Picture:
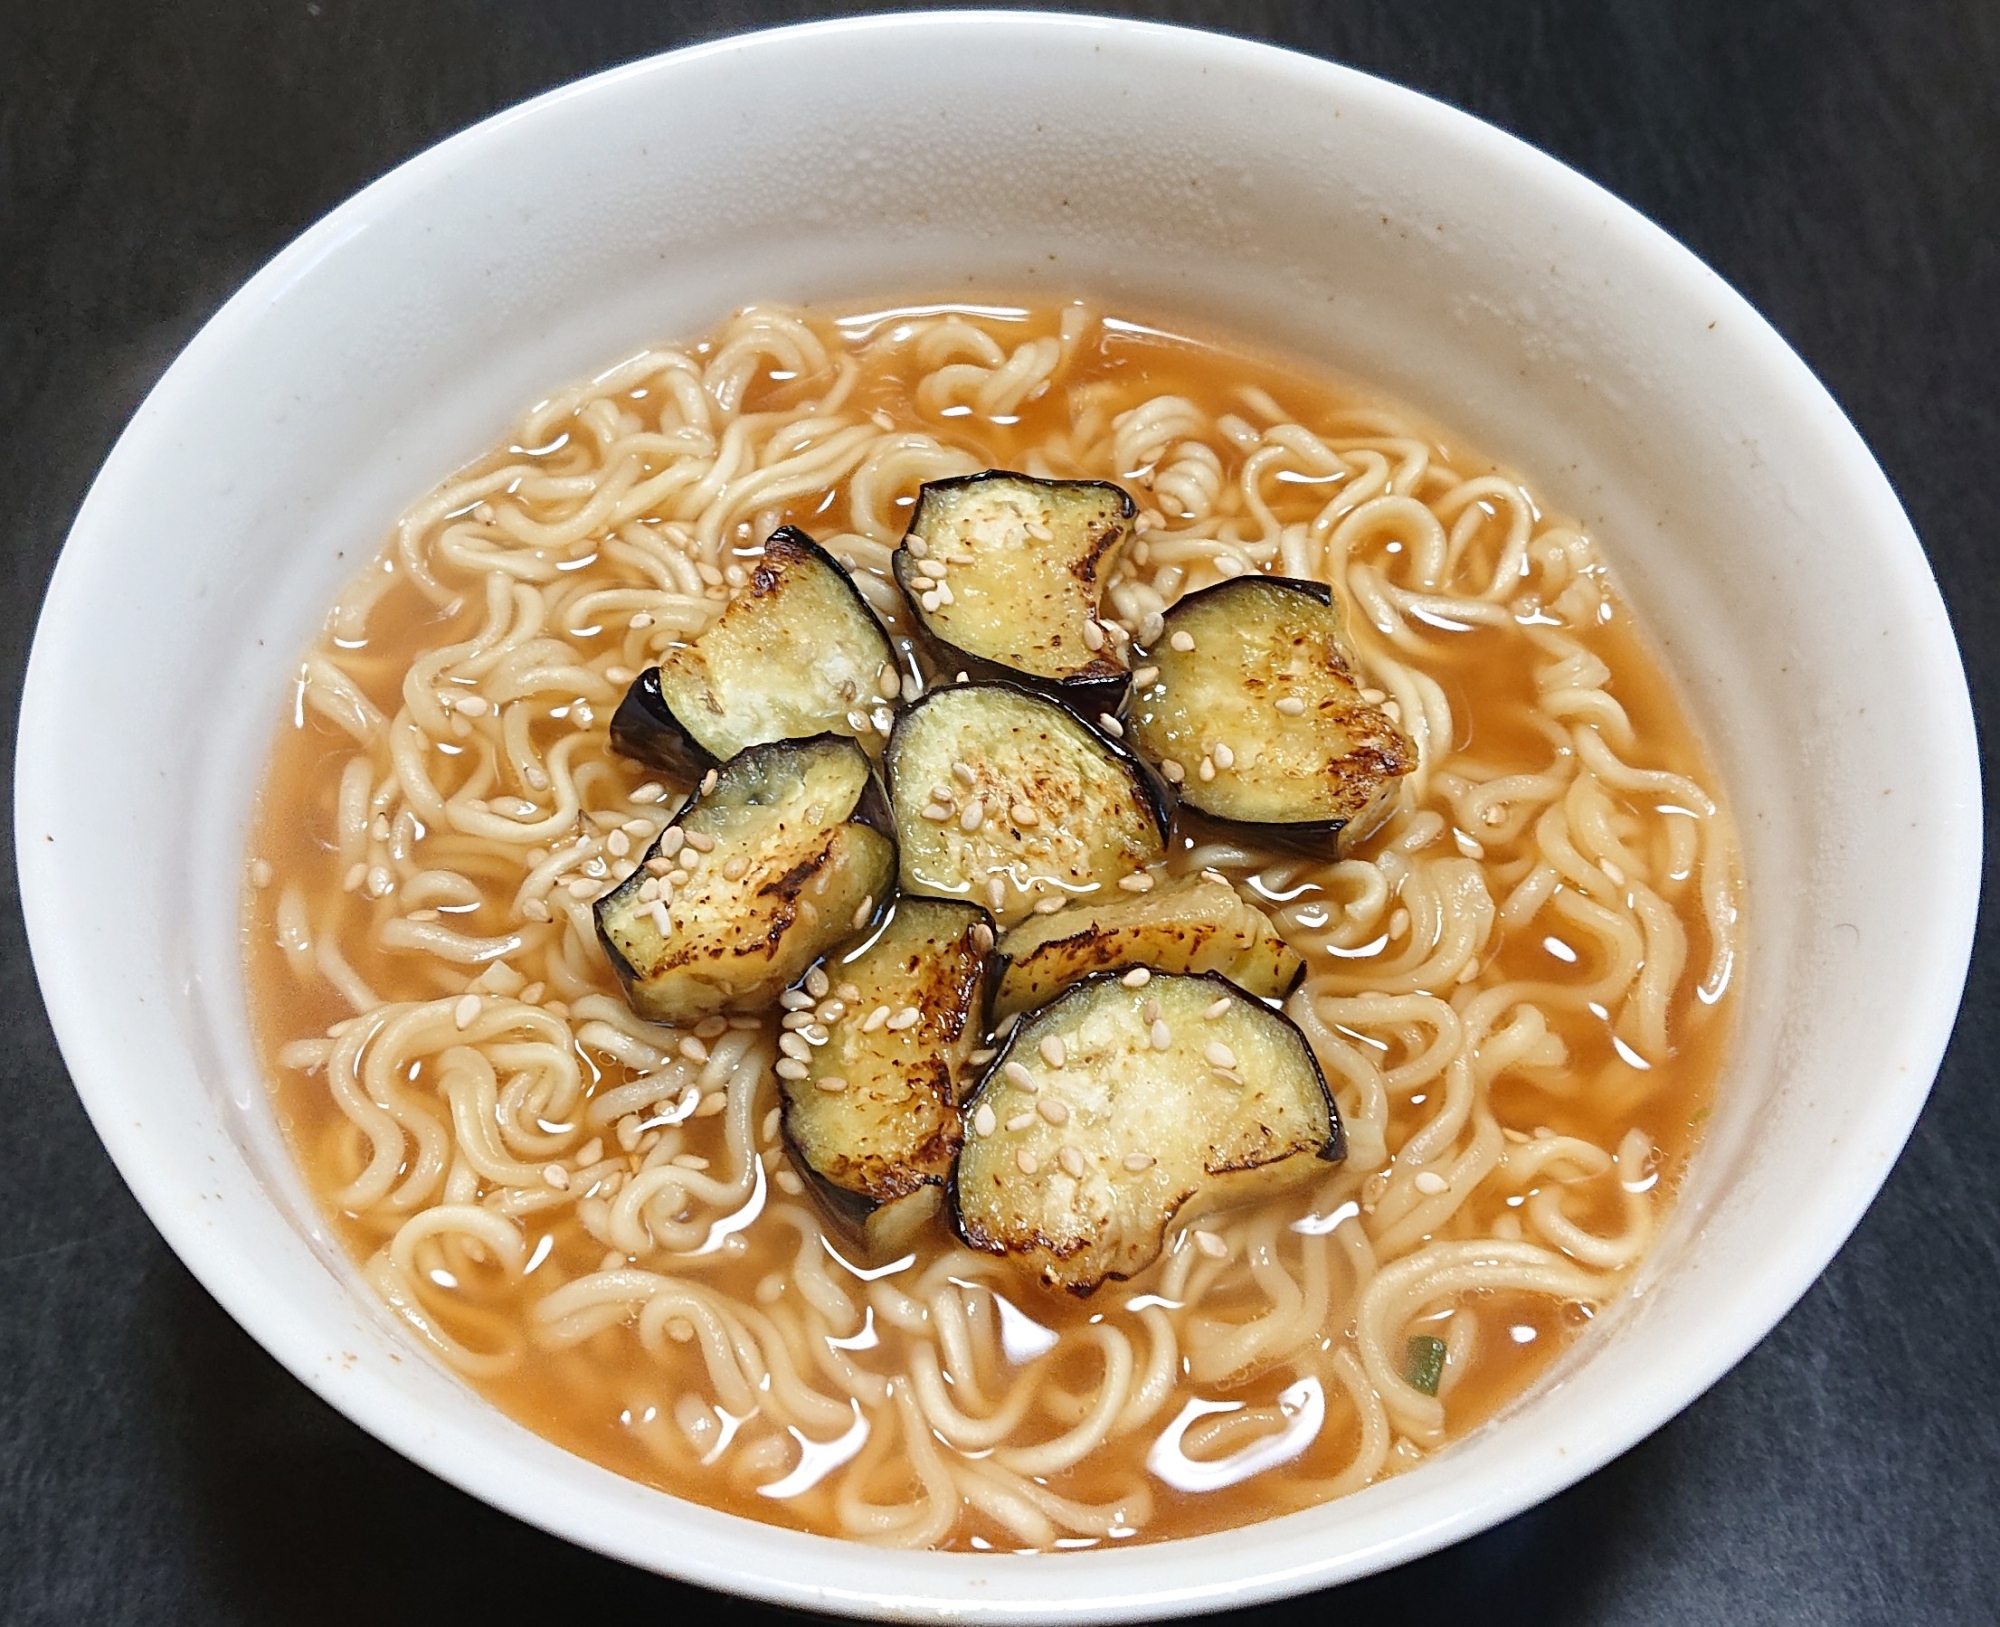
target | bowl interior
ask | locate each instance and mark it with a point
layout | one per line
(1306, 208)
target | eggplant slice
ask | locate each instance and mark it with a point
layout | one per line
(1003, 797)
(806, 819)
(797, 653)
(873, 1112)
(1197, 924)
(1004, 572)
(1116, 1111)
(1257, 715)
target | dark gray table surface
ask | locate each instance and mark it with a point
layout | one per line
(1838, 162)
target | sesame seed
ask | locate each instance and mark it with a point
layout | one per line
(1150, 1012)
(933, 568)
(944, 594)
(1176, 775)
(1161, 1035)
(996, 892)
(913, 686)
(1207, 770)
(1145, 676)
(356, 874)
(1137, 882)
(964, 774)
(671, 841)
(796, 1000)
(917, 548)
(980, 1057)
(832, 1011)
(1211, 1245)
(1072, 1162)
(1050, 905)
(473, 705)
(1054, 1052)
(876, 1019)
(701, 841)
(1218, 1054)
(1052, 1110)
(1024, 815)
(1430, 1183)
(1137, 1162)
(1374, 697)
(1111, 725)
(962, 678)
(1137, 978)
(788, 1183)
(1093, 636)
(930, 601)
(981, 936)
(1020, 1122)
(984, 1120)
(536, 910)
(938, 813)
(790, 1067)
(710, 780)
(1182, 641)
(818, 984)
(973, 816)
(908, 1017)
(1151, 628)
(712, 1027)
(662, 922)
(831, 1083)
(693, 1049)
(796, 1019)
(888, 682)
(793, 1044)
(1040, 532)
(1024, 1161)
(961, 559)
(1224, 757)
(1016, 1074)
(465, 1011)
(1291, 705)
(556, 1176)
(678, 877)
(815, 1033)
(849, 992)
(640, 622)
(858, 721)
(1220, 1008)
(735, 868)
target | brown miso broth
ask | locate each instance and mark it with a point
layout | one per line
(1563, 799)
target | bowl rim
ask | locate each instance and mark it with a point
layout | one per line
(832, 1575)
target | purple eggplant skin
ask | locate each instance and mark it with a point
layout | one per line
(1099, 688)
(645, 728)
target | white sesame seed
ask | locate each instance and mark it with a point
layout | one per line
(980, 1057)
(818, 984)
(356, 874)
(701, 841)
(796, 1019)
(981, 936)
(790, 1067)
(473, 705)
(662, 922)
(1207, 770)
(1050, 905)
(916, 546)
(1016, 1074)
(1137, 1162)
(693, 1049)
(640, 622)
(863, 911)
(1224, 757)
(465, 1011)
(1052, 1110)
(794, 1045)
(1430, 1183)
(1072, 1162)
(1111, 725)
(1176, 775)
(1182, 641)
(671, 841)
(815, 1033)
(933, 568)
(1211, 1245)
(556, 1176)
(1054, 1052)
(858, 721)
(996, 892)
(938, 813)
(1040, 531)
(831, 1083)
(1020, 1122)
(849, 992)
(1374, 697)
(930, 601)
(908, 1017)
(788, 1183)
(1024, 814)
(913, 686)
(875, 1020)
(1024, 1161)
(1291, 705)
(964, 774)
(712, 1027)
(973, 816)
(1161, 1035)
(1145, 676)
(536, 910)
(1137, 978)
(984, 1120)
(710, 780)
(888, 682)
(795, 1000)
(1137, 882)
(1151, 628)
(1219, 1009)
(1093, 636)
(735, 868)
(1218, 1054)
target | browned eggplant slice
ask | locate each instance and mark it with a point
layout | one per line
(1115, 1112)
(1197, 924)
(797, 653)
(783, 856)
(1004, 798)
(1256, 713)
(1004, 573)
(871, 1097)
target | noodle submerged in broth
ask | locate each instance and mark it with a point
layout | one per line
(1514, 987)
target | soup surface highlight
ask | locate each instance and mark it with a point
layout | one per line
(1515, 985)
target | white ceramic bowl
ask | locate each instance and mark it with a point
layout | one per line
(1310, 207)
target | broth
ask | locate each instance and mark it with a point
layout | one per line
(1560, 796)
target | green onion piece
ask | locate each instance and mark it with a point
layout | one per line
(1426, 1362)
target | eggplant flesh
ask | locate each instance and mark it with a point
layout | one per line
(874, 1111)
(1089, 1138)
(1004, 798)
(796, 653)
(1260, 718)
(779, 859)
(1197, 924)
(1022, 564)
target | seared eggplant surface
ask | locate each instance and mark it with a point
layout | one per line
(872, 1083)
(779, 858)
(1116, 1111)
(1004, 798)
(1004, 572)
(1197, 924)
(797, 653)
(1256, 714)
